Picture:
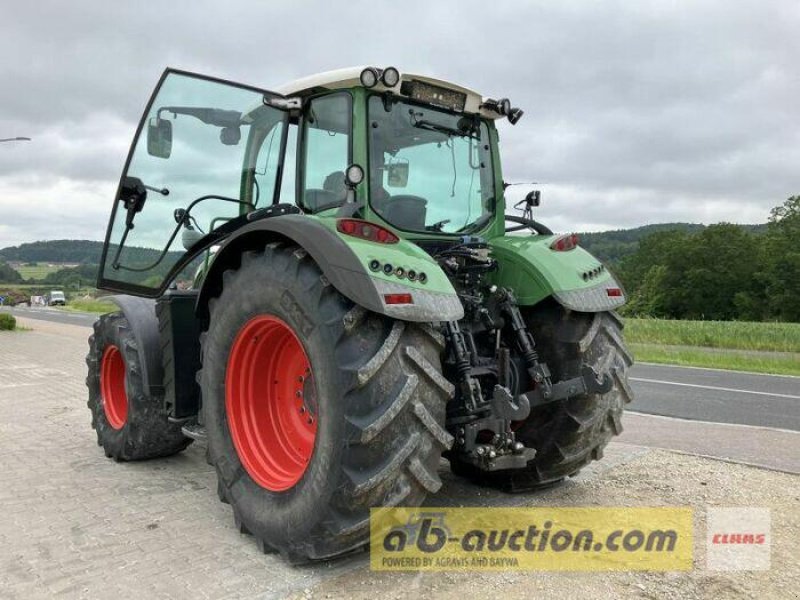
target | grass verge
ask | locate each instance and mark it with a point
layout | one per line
(738, 335)
(92, 306)
(777, 364)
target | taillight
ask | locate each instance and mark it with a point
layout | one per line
(398, 299)
(565, 242)
(614, 292)
(366, 231)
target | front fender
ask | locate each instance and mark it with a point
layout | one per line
(344, 261)
(142, 319)
(533, 271)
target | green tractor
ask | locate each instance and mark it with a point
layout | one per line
(321, 283)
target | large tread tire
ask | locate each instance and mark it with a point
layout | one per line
(146, 432)
(568, 435)
(381, 408)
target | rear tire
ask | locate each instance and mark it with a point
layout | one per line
(568, 434)
(130, 423)
(379, 404)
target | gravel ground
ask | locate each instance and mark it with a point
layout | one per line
(77, 525)
(654, 479)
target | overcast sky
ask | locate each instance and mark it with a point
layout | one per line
(636, 112)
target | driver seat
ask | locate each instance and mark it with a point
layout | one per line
(406, 212)
(333, 190)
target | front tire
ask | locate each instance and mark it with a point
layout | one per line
(371, 385)
(130, 423)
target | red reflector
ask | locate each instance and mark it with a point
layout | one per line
(398, 299)
(366, 231)
(614, 292)
(565, 242)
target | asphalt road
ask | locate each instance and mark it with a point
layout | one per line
(717, 396)
(55, 315)
(687, 393)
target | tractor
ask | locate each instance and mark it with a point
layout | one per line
(321, 284)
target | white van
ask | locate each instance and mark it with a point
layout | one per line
(56, 297)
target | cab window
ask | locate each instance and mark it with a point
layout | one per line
(326, 135)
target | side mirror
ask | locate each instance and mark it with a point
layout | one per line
(159, 137)
(533, 198)
(230, 136)
(397, 174)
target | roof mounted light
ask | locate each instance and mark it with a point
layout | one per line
(515, 115)
(504, 106)
(501, 107)
(369, 77)
(390, 77)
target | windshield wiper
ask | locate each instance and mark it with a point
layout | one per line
(437, 226)
(431, 126)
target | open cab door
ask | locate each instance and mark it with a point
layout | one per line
(206, 153)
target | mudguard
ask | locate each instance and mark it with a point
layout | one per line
(141, 316)
(575, 278)
(345, 262)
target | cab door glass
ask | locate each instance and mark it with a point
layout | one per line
(326, 135)
(193, 167)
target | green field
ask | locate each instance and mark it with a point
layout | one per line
(39, 271)
(745, 346)
(91, 305)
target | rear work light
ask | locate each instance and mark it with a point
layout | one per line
(398, 299)
(366, 231)
(565, 242)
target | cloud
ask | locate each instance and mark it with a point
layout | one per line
(635, 112)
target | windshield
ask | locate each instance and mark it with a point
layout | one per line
(430, 170)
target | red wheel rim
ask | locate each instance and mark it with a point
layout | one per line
(270, 401)
(112, 387)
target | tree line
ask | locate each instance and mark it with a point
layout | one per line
(675, 270)
(722, 272)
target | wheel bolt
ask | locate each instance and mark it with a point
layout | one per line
(299, 393)
(302, 409)
(310, 420)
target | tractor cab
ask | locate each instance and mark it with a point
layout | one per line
(414, 155)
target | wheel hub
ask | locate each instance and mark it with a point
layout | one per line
(271, 403)
(112, 387)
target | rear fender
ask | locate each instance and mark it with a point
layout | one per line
(575, 278)
(345, 262)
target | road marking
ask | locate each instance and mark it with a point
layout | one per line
(704, 422)
(713, 387)
(652, 364)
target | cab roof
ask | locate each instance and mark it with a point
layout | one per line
(349, 77)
